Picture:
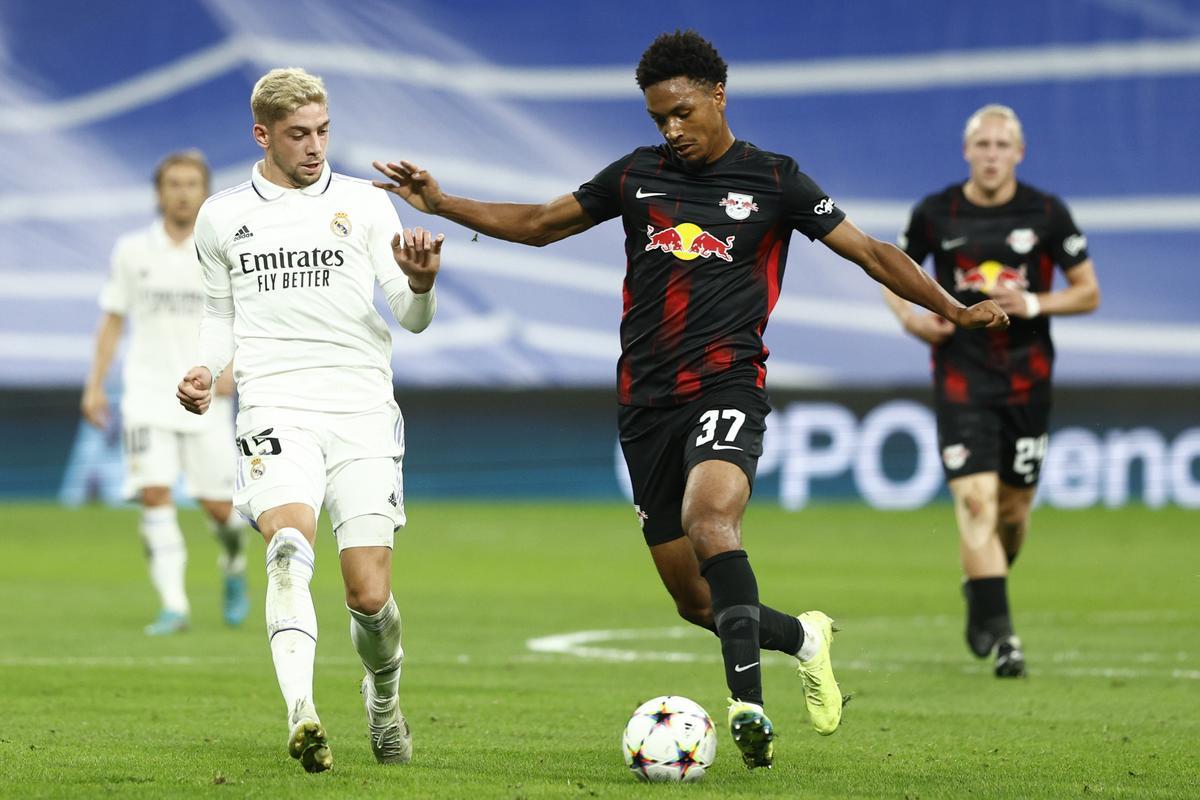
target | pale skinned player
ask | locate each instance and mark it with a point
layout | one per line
(290, 261)
(992, 236)
(155, 283)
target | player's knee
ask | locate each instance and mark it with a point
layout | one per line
(713, 532)
(368, 600)
(220, 511)
(156, 496)
(977, 525)
(977, 506)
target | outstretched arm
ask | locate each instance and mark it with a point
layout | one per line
(525, 223)
(889, 265)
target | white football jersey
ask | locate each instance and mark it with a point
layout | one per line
(157, 286)
(301, 266)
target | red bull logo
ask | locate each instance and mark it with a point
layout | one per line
(687, 240)
(988, 275)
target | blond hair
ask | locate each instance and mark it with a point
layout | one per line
(282, 91)
(993, 110)
(193, 157)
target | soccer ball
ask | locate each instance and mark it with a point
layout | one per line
(669, 738)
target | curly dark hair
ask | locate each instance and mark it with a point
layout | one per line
(682, 53)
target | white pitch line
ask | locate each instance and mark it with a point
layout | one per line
(585, 645)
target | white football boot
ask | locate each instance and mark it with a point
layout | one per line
(391, 740)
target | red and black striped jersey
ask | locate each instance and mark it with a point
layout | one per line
(705, 250)
(975, 249)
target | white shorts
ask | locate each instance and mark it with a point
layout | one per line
(350, 463)
(155, 456)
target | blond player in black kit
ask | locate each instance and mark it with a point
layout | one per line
(708, 219)
(993, 236)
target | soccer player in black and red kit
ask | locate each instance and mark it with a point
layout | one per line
(995, 237)
(707, 219)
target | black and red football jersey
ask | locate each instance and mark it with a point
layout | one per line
(705, 250)
(975, 249)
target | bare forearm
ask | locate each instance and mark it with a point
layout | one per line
(107, 336)
(524, 223)
(906, 281)
(1080, 299)
(899, 306)
(512, 222)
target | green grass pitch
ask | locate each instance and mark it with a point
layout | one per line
(1107, 602)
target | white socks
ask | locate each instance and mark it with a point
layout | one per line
(291, 618)
(231, 535)
(167, 555)
(812, 641)
(376, 637)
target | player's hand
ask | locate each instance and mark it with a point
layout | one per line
(987, 314)
(929, 328)
(94, 406)
(418, 253)
(1011, 299)
(195, 390)
(408, 181)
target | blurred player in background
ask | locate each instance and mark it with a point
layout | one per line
(707, 219)
(156, 283)
(290, 261)
(995, 237)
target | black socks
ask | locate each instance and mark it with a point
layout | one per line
(737, 616)
(779, 631)
(987, 599)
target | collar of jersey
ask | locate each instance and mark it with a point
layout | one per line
(271, 191)
(160, 237)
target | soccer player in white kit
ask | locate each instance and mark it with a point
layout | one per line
(155, 282)
(290, 260)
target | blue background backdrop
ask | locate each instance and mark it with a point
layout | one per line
(526, 101)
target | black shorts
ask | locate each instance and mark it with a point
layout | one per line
(1010, 440)
(661, 445)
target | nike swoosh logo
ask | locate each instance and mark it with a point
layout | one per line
(717, 446)
(740, 668)
(640, 194)
(950, 244)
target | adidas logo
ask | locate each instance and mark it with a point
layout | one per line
(243, 233)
